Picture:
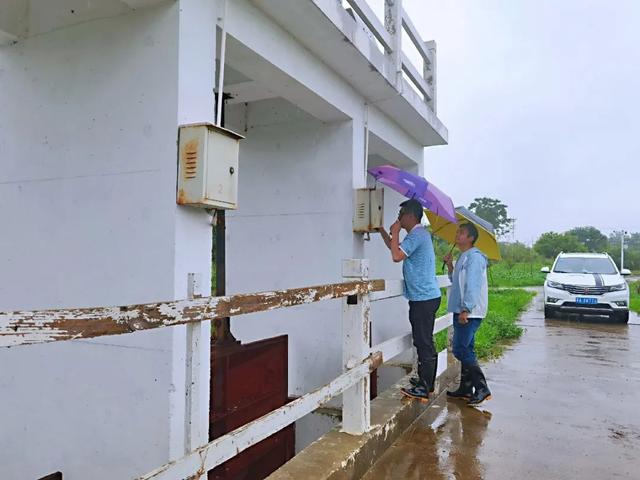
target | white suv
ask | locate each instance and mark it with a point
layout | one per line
(587, 283)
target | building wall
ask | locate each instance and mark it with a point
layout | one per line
(88, 118)
(292, 229)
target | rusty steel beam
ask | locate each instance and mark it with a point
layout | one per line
(32, 327)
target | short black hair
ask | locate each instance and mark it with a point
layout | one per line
(412, 207)
(471, 230)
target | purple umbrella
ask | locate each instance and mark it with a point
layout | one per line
(414, 186)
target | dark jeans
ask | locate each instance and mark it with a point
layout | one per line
(422, 316)
(464, 337)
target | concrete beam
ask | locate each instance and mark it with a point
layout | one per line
(253, 65)
(248, 92)
(13, 20)
(137, 4)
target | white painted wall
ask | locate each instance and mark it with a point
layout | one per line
(88, 121)
(292, 229)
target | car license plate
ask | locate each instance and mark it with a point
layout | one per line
(586, 301)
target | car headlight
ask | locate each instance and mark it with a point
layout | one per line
(555, 285)
(617, 288)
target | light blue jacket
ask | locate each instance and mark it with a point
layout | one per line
(469, 287)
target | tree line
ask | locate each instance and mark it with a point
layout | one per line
(550, 244)
(590, 239)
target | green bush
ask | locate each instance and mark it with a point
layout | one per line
(502, 274)
(634, 288)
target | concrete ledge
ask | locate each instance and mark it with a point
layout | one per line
(340, 456)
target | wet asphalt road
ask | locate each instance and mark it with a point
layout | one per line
(566, 405)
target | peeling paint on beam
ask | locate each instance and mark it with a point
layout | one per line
(32, 327)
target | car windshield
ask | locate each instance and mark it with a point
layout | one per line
(584, 265)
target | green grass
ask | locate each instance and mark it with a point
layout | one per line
(634, 290)
(502, 274)
(500, 324)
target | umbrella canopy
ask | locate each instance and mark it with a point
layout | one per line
(414, 186)
(486, 242)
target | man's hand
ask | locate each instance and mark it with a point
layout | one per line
(463, 318)
(395, 228)
(448, 260)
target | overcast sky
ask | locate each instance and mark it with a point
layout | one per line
(541, 99)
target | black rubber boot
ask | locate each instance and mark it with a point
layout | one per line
(429, 370)
(465, 389)
(434, 374)
(482, 392)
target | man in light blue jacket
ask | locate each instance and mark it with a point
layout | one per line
(468, 301)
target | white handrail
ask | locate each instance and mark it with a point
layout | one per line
(415, 37)
(417, 78)
(394, 288)
(355, 376)
(395, 346)
(370, 19)
(228, 446)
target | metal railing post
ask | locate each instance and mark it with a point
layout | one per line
(356, 334)
(197, 374)
(430, 73)
(393, 24)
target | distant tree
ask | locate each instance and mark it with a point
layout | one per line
(551, 244)
(493, 211)
(592, 238)
(516, 252)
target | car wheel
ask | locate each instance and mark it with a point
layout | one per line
(622, 317)
(549, 312)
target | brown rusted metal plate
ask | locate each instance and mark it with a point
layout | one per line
(31, 327)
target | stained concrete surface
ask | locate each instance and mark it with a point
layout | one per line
(565, 405)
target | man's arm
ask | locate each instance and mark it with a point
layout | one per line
(396, 252)
(392, 241)
(385, 236)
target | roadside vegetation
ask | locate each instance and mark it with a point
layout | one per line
(520, 267)
(634, 290)
(501, 324)
(517, 274)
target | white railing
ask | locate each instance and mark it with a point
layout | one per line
(389, 35)
(359, 359)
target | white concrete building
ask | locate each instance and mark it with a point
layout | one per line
(91, 97)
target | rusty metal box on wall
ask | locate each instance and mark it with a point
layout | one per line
(208, 166)
(368, 213)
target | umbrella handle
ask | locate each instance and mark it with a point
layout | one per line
(444, 264)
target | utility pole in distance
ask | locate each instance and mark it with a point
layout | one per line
(622, 249)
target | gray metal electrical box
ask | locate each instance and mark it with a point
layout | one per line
(369, 210)
(208, 166)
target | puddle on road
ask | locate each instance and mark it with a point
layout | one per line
(564, 406)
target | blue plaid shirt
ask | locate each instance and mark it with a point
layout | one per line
(419, 268)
